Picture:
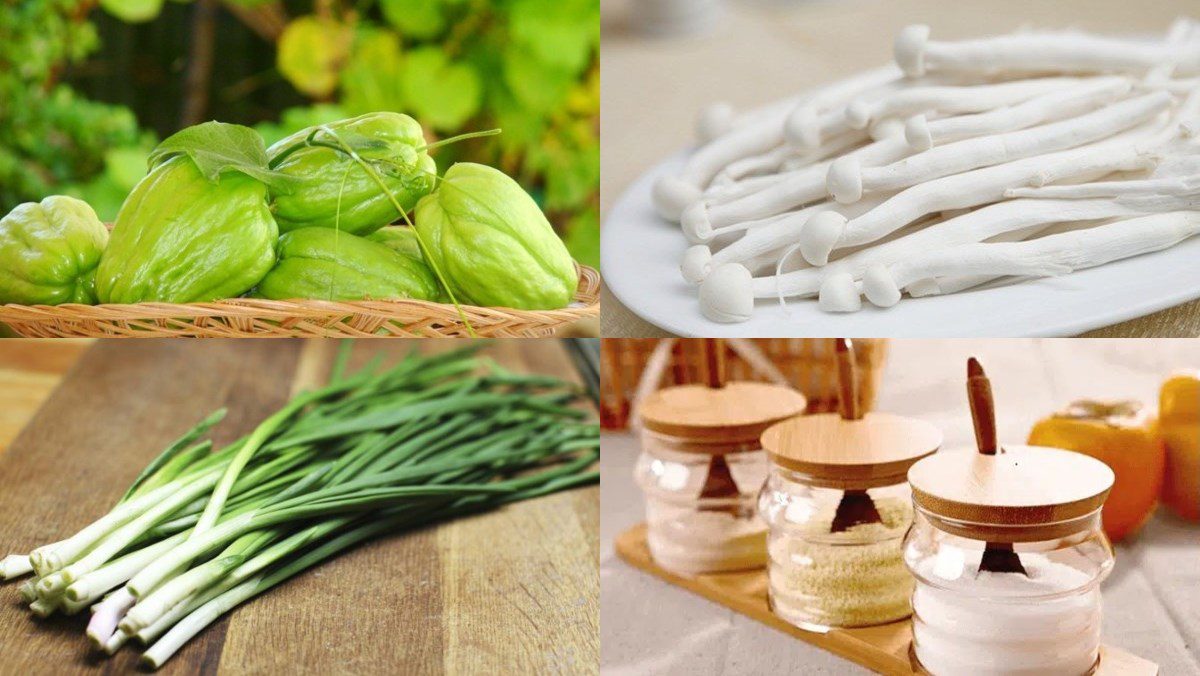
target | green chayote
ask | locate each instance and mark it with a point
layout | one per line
(399, 238)
(181, 238)
(337, 192)
(49, 251)
(331, 265)
(493, 244)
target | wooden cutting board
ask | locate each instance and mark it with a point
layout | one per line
(512, 591)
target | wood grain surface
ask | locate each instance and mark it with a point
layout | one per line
(512, 591)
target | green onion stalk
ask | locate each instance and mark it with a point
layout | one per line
(204, 529)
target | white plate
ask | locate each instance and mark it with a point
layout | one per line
(640, 255)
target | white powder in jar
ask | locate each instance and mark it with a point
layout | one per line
(852, 578)
(994, 624)
(691, 542)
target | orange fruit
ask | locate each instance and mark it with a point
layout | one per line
(1122, 436)
(1179, 427)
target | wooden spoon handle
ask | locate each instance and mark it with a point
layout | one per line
(848, 403)
(983, 409)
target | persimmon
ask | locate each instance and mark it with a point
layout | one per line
(1179, 426)
(1121, 434)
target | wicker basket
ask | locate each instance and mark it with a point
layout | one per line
(807, 363)
(257, 318)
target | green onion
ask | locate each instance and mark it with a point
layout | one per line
(202, 530)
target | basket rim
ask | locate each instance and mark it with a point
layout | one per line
(586, 304)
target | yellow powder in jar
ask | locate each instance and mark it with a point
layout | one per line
(852, 578)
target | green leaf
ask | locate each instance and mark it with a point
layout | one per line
(415, 18)
(443, 94)
(522, 127)
(373, 78)
(217, 147)
(583, 237)
(310, 51)
(556, 32)
(538, 85)
(133, 11)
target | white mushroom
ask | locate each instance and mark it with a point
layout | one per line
(848, 180)
(1013, 220)
(1175, 185)
(800, 187)
(916, 54)
(861, 113)
(1090, 94)
(672, 194)
(974, 188)
(762, 237)
(1045, 256)
(721, 299)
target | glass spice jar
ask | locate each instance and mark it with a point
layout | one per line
(838, 506)
(1008, 557)
(700, 469)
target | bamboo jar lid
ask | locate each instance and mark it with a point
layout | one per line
(874, 450)
(733, 414)
(1020, 494)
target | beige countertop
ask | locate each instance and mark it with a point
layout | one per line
(763, 50)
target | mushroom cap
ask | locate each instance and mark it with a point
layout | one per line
(858, 114)
(888, 127)
(696, 263)
(844, 180)
(820, 234)
(879, 286)
(801, 128)
(839, 293)
(695, 224)
(916, 133)
(671, 195)
(909, 49)
(727, 294)
(714, 120)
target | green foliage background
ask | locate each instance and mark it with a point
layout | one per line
(528, 67)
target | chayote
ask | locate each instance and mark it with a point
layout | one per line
(399, 238)
(331, 265)
(49, 251)
(493, 244)
(336, 191)
(181, 238)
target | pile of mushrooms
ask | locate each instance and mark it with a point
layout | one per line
(1024, 155)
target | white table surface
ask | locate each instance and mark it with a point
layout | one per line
(1151, 601)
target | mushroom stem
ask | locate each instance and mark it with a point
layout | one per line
(860, 114)
(924, 134)
(974, 188)
(847, 181)
(1046, 256)
(1057, 52)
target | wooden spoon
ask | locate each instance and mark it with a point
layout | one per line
(719, 483)
(998, 557)
(856, 507)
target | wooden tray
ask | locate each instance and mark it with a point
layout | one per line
(884, 649)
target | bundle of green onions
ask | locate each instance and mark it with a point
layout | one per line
(202, 530)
